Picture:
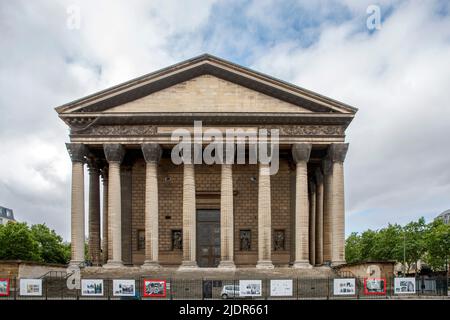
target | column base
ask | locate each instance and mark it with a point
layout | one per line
(337, 263)
(75, 264)
(188, 265)
(150, 265)
(265, 264)
(113, 264)
(301, 265)
(228, 265)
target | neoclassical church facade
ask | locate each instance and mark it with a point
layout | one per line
(145, 210)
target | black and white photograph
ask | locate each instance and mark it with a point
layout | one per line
(374, 286)
(404, 285)
(124, 288)
(342, 287)
(281, 288)
(250, 288)
(92, 287)
(30, 287)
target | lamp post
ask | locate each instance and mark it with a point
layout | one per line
(404, 253)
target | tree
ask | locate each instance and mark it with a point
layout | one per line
(368, 240)
(414, 234)
(16, 242)
(353, 248)
(437, 243)
(38, 243)
(51, 246)
(388, 243)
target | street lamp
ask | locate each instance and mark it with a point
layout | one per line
(404, 253)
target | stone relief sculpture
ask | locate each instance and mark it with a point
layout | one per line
(177, 240)
(245, 240)
(279, 240)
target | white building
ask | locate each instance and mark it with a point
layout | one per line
(6, 215)
(444, 216)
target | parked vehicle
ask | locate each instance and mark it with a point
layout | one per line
(230, 291)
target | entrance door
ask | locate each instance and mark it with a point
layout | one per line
(208, 238)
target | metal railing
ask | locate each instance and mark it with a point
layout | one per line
(54, 286)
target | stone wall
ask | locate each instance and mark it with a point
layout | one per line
(27, 269)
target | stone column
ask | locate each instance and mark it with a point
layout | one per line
(77, 153)
(327, 209)
(152, 155)
(189, 218)
(94, 211)
(337, 153)
(264, 218)
(114, 155)
(319, 217)
(105, 215)
(312, 222)
(301, 153)
(226, 218)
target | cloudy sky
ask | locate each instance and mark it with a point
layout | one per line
(398, 75)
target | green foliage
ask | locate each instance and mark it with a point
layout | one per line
(353, 248)
(38, 243)
(16, 242)
(51, 246)
(438, 246)
(413, 242)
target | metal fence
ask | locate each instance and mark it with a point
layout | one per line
(147, 288)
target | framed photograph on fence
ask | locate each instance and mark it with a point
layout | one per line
(405, 285)
(92, 287)
(4, 287)
(374, 286)
(250, 288)
(31, 287)
(154, 288)
(281, 288)
(344, 287)
(124, 288)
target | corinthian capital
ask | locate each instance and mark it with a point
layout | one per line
(152, 152)
(301, 151)
(337, 152)
(77, 151)
(114, 152)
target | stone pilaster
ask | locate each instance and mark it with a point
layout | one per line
(94, 211)
(105, 229)
(264, 218)
(152, 155)
(114, 155)
(301, 153)
(312, 222)
(319, 216)
(189, 218)
(77, 154)
(337, 153)
(226, 218)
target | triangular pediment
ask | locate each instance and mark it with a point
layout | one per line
(207, 93)
(205, 84)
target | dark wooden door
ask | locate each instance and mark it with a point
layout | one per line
(208, 238)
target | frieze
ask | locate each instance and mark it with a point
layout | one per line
(308, 130)
(119, 130)
(151, 130)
